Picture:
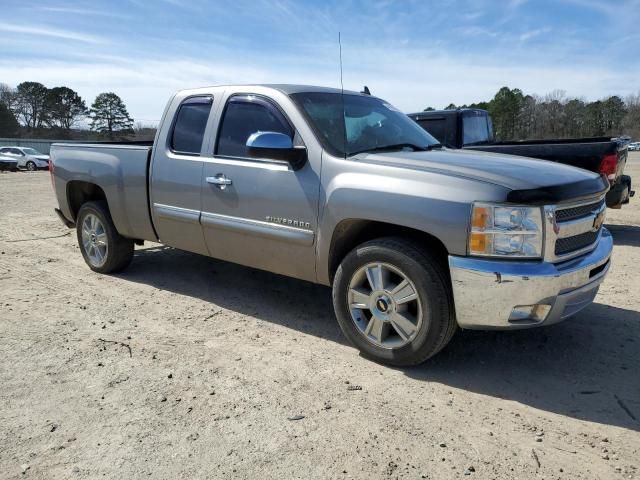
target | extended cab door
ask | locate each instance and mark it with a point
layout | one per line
(176, 174)
(260, 212)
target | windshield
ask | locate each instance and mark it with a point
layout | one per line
(477, 128)
(31, 151)
(369, 123)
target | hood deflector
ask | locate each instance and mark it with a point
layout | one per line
(553, 194)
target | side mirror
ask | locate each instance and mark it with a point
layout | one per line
(276, 146)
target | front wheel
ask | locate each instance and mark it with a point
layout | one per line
(31, 166)
(103, 248)
(393, 301)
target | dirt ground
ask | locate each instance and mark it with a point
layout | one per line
(188, 367)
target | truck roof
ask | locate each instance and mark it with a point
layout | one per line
(285, 88)
(450, 111)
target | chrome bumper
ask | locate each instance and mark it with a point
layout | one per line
(493, 294)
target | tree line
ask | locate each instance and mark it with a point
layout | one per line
(33, 110)
(517, 116)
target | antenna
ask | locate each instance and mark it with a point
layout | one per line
(344, 114)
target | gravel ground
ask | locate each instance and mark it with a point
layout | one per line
(188, 367)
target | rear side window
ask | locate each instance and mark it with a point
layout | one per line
(476, 129)
(189, 126)
(437, 127)
(245, 115)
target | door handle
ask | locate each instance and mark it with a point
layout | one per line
(220, 181)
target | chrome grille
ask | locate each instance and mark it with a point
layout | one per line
(577, 242)
(570, 231)
(577, 212)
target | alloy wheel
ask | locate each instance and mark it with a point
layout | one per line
(384, 305)
(94, 240)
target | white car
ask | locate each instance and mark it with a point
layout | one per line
(634, 146)
(27, 157)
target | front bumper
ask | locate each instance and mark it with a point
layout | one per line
(486, 292)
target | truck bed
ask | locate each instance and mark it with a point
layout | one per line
(120, 169)
(585, 153)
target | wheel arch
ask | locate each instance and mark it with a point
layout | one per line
(80, 192)
(350, 233)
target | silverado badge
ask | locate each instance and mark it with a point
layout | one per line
(289, 222)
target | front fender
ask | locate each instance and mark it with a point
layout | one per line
(436, 204)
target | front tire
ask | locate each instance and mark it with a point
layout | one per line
(393, 301)
(31, 166)
(103, 248)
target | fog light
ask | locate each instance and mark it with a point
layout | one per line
(529, 313)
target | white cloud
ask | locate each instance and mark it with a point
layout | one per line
(410, 79)
(81, 11)
(528, 35)
(44, 31)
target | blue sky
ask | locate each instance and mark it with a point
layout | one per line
(412, 53)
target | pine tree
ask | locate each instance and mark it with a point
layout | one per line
(8, 123)
(65, 107)
(109, 115)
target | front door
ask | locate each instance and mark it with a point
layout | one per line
(259, 212)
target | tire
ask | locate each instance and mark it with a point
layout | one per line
(31, 166)
(411, 271)
(103, 248)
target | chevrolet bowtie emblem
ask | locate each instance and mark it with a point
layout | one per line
(598, 221)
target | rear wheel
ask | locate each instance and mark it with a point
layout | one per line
(31, 166)
(103, 248)
(393, 301)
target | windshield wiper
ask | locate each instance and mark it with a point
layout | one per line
(398, 146)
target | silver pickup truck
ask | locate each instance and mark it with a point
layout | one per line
(345, 190)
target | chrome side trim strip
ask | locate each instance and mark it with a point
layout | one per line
(259, 228)
(176, 213)
(275, 165)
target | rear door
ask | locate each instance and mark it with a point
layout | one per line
(176, 174)
(266, 216)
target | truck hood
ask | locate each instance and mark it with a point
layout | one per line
(530, 180)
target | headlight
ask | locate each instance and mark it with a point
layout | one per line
(503, 230)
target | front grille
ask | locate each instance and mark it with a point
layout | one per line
(577, 242)
(577, 212)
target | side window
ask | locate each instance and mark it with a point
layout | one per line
(244, 116)
(15, 151)
(436, 127)
(189, 126)
(476, 129)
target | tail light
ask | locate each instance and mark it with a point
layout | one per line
(609, 165)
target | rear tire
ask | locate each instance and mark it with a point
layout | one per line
(103, 248)
(393, 301)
